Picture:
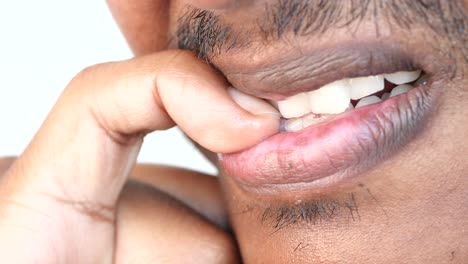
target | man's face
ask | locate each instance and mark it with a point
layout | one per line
(385, 183)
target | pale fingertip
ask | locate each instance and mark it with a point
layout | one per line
(253, 105)
(260, 122)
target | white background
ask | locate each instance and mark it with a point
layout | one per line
(43, 44)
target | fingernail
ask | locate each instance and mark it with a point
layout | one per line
(252, 104)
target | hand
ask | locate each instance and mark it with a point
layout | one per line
(59, 199)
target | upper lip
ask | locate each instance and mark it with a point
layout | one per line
(283, 76)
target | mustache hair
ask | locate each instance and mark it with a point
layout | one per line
(204, 32)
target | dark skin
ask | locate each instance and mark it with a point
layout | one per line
(386, 214)
(410, 208)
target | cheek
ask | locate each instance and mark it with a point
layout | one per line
(411, 207)
(144, 23)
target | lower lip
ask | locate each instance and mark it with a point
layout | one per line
(333, 151)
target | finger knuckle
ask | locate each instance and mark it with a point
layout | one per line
(90, 72)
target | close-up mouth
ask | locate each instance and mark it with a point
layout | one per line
(356, 149)
(360, 115)
(234, 131)
(348, 99)
(322, 147)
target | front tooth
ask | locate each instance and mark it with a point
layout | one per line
(400, 89)
(332, 98)
(293, 125)
(294, 106)
(368, 101)
(364, 86)
(385, 96)
(311, 120)
(402, 77)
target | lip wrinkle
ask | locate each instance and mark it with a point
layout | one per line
(285, 76)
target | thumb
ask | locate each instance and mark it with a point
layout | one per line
(76, 165)
(90, 140)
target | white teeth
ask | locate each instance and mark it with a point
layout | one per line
(364, 86)
(400, 89)
(402, 77)
(312, 120)
(295, 106)
(332, 98)
(368, 101)
(293, 125)
(297, 124)
(335, 98)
